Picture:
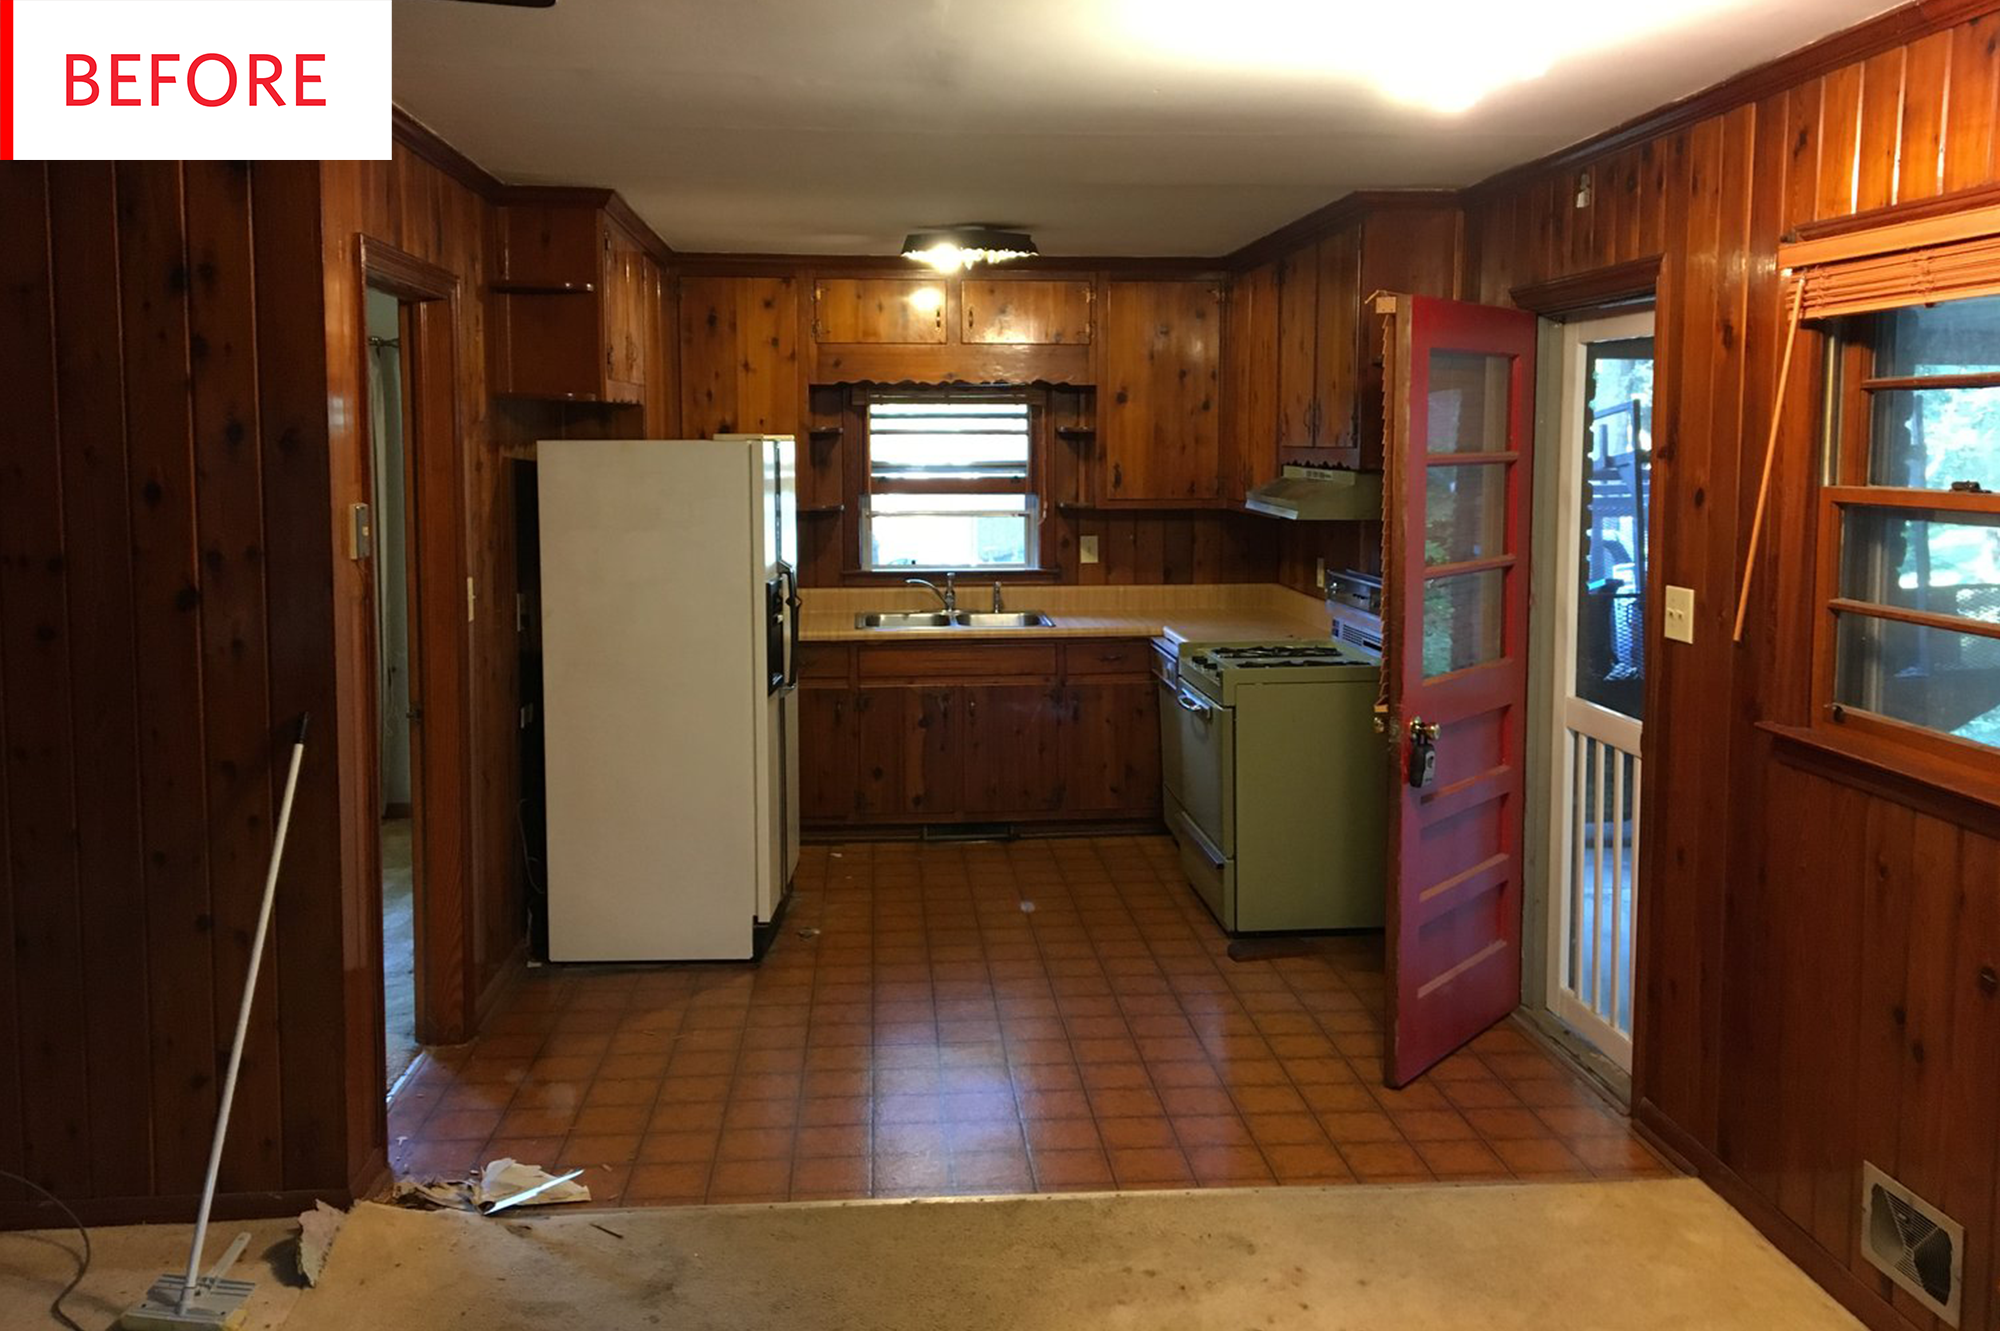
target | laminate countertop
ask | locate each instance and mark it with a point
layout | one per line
(1238, 612)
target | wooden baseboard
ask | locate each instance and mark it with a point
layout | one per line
(1798, 1247)
(177, 1209)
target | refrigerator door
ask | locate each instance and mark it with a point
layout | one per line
(776, 520)
(656, 845)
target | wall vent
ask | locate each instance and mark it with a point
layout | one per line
(1912, 1242)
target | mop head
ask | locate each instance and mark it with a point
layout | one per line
(216, 1303)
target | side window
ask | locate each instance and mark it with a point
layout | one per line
(1912, 581)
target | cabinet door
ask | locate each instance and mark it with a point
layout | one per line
(1111, 747)
(626, 292)
(893, 310)
(1339, 332)
(1298, 348)
(826, 752)
(1025, 311)
(906, 744)
(1158, 426)
(1012, 748)
(1250, 383)
(739, 356)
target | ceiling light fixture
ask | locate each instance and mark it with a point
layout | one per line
(949, 249)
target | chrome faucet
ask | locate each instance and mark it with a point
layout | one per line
(948, 594)
(997, 607)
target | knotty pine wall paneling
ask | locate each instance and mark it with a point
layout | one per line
(164, 621)
(1815, 947)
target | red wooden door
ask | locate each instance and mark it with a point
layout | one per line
(1459, 381)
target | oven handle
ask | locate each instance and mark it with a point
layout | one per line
(1190, 703)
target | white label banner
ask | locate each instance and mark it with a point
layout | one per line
(173, 79)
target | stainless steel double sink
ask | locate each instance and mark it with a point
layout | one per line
(954, 619)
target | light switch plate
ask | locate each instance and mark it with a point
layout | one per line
(1319, 574)
(1086, 549)
(1679, 622)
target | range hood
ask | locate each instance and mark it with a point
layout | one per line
(1319, 494)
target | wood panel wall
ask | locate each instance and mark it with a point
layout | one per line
(165, 619)
(1813, 949)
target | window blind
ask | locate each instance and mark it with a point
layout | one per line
(1951, 257)
(935, 446)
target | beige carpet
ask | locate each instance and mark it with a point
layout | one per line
(1638, 1256)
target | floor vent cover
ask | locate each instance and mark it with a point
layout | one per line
(1912, 1242)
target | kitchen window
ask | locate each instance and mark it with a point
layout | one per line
(1909, 569)
(949, 482)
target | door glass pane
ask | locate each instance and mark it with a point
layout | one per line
(1919, 560)
(1617, 447)
(1465, 512)
(1462, 620)
(1467, 403)
(1928, 677)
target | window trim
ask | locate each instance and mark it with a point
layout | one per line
(1846, 441)
(860, 480)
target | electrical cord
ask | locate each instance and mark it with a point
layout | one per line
(82, 1266)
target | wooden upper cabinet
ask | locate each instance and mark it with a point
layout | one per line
(1158, 417)
(1025, 311)
(554, 245)
(739, 356)
(1318, 311)
(879, 310)
(1301, 332)
(1339, 325)
(1297, 329)
(1250, 383)
(576, 298)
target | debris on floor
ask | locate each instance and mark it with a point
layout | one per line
(503, 1184)
(317, 1229)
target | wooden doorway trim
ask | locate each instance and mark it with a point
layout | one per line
(440, 636)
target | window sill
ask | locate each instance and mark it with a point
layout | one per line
(1943, 790)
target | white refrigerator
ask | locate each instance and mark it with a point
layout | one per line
(669, 655)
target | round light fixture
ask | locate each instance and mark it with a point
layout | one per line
(951, 248)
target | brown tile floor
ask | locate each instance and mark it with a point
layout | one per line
(989, 1018)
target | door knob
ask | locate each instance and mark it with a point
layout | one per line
(1423, 752)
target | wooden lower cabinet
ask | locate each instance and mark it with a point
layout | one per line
(1111, 746)
(826, 752)
(888, 736)
(1013, 748)
(906, 747)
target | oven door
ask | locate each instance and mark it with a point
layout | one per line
(1198, 758)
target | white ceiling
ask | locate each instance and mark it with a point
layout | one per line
(1104, 126)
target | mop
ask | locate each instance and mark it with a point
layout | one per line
(213, 1300)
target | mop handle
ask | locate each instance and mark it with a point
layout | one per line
(190, 1281)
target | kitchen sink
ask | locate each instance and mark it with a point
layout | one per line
(965, 619)
(915, 620)
(996, 619)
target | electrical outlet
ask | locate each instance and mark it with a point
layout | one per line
(1319, 574)
(1679, 621)
(1086, 549)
